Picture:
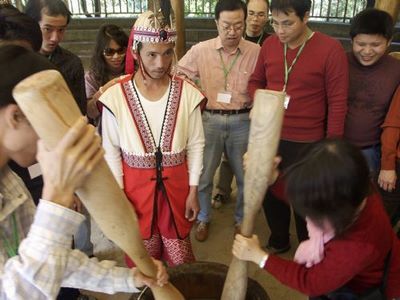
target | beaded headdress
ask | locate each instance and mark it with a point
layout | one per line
(151, 27)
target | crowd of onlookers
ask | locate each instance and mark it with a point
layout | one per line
(167, 126)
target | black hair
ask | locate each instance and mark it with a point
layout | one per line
(34, 9)
(17, 63)
(330, 182)
(299, 7)
(229, 5)
(372, 21)
(106, 33)
(266, 1)
(17, 26)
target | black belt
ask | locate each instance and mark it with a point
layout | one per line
(228, 111)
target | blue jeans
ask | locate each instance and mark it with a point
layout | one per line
(227, 133)
(82, 236)
(373, 156)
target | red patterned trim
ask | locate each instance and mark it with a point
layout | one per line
(138, 116)
(148, 161)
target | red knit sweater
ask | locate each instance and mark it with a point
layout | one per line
(371, 90)
(355, 259)
(317, 86)
(390, 137)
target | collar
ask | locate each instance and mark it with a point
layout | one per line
(218, 45)
(12, 192)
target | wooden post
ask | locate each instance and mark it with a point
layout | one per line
(179, 9)
(390, 6)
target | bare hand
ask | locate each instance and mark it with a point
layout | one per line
(387, 180)
(142, 280)
(66, 166)
(192, 204)
(248, 249)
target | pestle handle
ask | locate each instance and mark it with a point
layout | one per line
(265, 128)
(49, 106)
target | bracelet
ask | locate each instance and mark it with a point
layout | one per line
(263, 261)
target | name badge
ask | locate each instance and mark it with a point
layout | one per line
(286, 102)
(224, 97)
(34, 170)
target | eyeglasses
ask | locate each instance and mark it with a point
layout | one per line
(284, 26)
(111, 52)
(259, 15)
(235, 27)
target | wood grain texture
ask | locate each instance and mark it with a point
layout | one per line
(390, 6)
(265, 129)
(48, 104)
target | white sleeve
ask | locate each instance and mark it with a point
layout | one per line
(45, 261)
(111, 145)
(195, 147)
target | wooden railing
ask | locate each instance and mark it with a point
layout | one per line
(323, 10)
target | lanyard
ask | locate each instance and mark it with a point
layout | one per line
(288, 70)
(227, 71)
(259, 39)
(12, 249)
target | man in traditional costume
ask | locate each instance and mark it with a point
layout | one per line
(153, 137)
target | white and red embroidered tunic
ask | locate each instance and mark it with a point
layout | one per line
(133, 128)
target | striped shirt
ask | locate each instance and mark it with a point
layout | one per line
(45, 260)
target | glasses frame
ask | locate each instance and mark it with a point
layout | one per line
(119, 52)
(231, 27)
(258, 15)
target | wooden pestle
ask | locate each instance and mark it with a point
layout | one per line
(265, 128)
(49, 106)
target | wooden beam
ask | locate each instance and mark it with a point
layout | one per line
(179, 9)
(390, 6)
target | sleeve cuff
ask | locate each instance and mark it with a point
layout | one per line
(55, 224)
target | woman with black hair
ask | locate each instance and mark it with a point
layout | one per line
(107, 63)
(331, 188)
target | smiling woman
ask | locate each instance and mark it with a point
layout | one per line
(107, 63)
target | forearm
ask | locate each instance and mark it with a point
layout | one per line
(37, 271)
(111, 146)
(258, 79)
(88, 273)
(195, 147)
(390, 139)
(336, 83)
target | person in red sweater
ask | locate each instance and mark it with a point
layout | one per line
(374, 76)
(313, 71)
(331, 187)
(388, 179)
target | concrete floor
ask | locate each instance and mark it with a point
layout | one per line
(217, 248)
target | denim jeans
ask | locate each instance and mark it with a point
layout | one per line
(373, 157)
(225, 178)
(227, 133)
(82, 236)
